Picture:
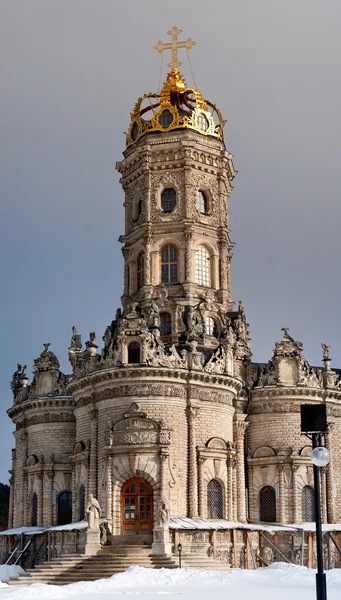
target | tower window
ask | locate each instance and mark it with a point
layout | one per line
(140, 270)
(165, 323)
(308, 504)
(202, 122)
(267, 504)
(210, 326)
(81, 503)
(214, 500)
(201, 202)
(34, 509)
(202, 266)
(165, 119)
(139, 207)
(134, 352)
(169, 264)
(64, 508)
(168, 200)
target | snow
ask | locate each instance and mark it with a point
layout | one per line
(7, 571)
(37, 530)
(277, 581)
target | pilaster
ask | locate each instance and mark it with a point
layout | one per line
(192, 412)
(93, 454)
(240, 427)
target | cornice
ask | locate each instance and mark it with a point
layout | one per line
(41, 403)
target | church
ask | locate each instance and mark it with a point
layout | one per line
(166, 421)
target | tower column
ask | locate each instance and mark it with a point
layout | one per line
(192, 413)
(202, 496)
(93, 455)
(239, 429)
(49, 506)
(330, 478)
(40, 507)
(295, 503)
(282, 498)
(108, 513)
(229, 489)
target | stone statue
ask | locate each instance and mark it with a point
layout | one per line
(76, 343)
(92, 336)
(325, 350)
(93, 512)
(163, 513)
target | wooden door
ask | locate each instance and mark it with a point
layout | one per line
(136, 506)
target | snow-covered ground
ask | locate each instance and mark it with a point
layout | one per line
(280, 581)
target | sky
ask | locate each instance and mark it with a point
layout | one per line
(71, 71)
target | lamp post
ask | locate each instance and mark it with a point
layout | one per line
(314, 422)
(320, 457)
(179, 551)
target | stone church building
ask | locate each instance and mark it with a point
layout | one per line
(169, 418)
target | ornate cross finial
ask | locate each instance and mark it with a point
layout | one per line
(46, 347)
(174, 46)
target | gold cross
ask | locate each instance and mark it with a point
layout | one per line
(174, 46)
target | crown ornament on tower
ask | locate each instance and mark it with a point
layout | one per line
(176, 106)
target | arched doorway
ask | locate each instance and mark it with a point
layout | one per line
(136, 505)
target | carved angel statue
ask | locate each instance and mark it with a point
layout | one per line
(92, 336)
(163, 513)
(325, 350)
(93, 512)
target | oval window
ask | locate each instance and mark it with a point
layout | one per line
(165, 119)
(134, 131)
(202, 121)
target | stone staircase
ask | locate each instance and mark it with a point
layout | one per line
(117, 557)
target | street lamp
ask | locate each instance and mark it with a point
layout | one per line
(179, 551)
(314, 421)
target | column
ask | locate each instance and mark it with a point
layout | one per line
(229, 489)
(188, 255)
(201, 487)
(125, 253)
(281, 494)
(93, 455)
(49, 491)
(147, 270)
(11, 499)
(163, 459)
(296, 505)
(40, 490)
(234, 491)
(239, 434)
(75, 495)
(108, 513)
(330, 477)
(323, 472)
(222, 264)
(192, 413)
(25, 499)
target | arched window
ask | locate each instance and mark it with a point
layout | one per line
(34, 509)
(140, 270)
(168, 200)
(202, 121)
(169, 264)
(165, 323)
(64, 508)
(134, 352)
(81, 503)
(210, 326)
(214, 500)
(201, 202)
(308, 503)
(202, 266)
(267, 504)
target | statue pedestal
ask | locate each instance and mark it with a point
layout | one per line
(161, 543)
(92, 544)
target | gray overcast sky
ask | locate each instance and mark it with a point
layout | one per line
(70, 72)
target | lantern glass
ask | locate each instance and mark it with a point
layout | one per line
(320, 456)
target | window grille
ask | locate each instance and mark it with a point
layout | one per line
(210, 326)
(308, 503)
(168, 200)
(65, 508)
(201, 202)
(202, 121)
(165, 324)
(202, 265)
(140, 270)
(169, 264)
(34, 509)
(134, 353)
(267, 504)
(214, 500)
(81, 503)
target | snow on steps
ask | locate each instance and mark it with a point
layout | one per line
(107, 562)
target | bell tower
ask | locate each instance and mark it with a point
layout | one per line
(176, 175)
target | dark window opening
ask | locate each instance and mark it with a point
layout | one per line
(165, 323)
(168, 200)
(267, 504)
(214, 500)
(134, 351)
(169, 264)
(34, 509)
(81, 503)
(65, 508)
